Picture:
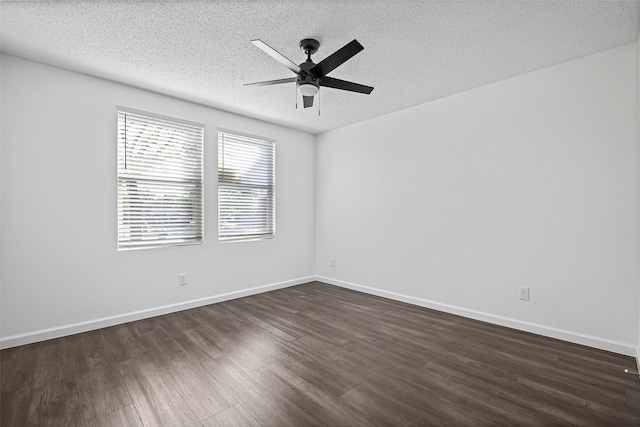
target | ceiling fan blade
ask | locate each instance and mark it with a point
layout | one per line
(272, 82)
(336, 59)
(308, 101)
(345, 85)
(276, 55)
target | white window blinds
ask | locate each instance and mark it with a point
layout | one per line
(159, 181)
(246, 187)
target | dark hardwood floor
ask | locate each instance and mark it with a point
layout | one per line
(314, 355)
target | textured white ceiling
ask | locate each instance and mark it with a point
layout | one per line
(415, 52)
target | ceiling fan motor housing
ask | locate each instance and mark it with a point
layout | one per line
(306, 78)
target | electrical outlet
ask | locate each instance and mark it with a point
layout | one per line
(523, 292)
(333, 262)
(182, 279)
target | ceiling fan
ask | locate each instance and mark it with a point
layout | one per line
(310, 76)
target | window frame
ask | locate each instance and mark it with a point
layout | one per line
(259, 140)
(198, 212)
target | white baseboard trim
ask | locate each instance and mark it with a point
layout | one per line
(561, 334)
(90, 325)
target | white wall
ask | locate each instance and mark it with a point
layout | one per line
(60, 265)
(532, 181)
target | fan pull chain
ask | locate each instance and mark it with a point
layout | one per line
(318, 103)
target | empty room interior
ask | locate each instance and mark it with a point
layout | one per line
(320, 213)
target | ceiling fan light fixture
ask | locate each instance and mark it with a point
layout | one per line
(307, 89)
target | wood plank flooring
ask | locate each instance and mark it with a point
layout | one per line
(314, 355)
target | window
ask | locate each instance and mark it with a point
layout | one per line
(246, 187)
(159, 181)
